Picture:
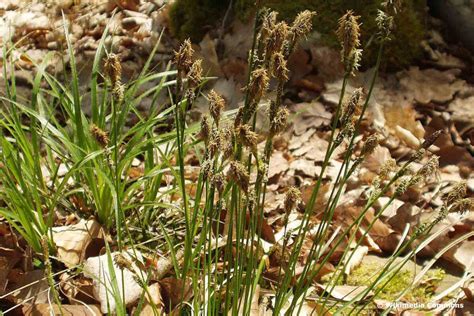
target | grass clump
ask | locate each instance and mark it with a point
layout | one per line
(217, 242)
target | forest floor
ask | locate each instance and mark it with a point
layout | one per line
(407, 106)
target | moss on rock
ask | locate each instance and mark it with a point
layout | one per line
(400, 281)
(192, 18)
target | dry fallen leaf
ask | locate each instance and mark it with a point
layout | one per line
(431, 85)
(174, 292)
(64, 309)
(462, 110)
(153, 301)
(278, 164)
(355, 258)
(71, 241)
(32, 284)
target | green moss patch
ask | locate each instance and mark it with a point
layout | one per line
(400, 281)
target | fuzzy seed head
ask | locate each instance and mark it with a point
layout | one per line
(276, 39)
(195, 73)
(348, 34)
(239, 118)
(227, 142)
(205, 129)
(214, 142)
(458, 191)
(280, 69)
(258, 84)
(219, 182)
(369, 146)
(248, 137)
(113, 68)
(279, 122)
(403, 185)
(118, 91)
(216, 105)
(384, 24)
(101, 136)
(353, 61)
(292, 198)
(238, 173)
(206, 169)
(303, 23)
(352, 107)
(417, 155)
(462, 205)
(387, 167)
(268, 24)
(122, 262)
(430, 168)
(183, 57)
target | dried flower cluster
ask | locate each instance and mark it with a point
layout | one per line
(101, 136)
(187, 68)
(113, 70)
(348, 34)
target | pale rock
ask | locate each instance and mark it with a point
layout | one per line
(97, 268)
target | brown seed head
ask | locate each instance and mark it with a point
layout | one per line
(292, 198)
(458, 191)
(238, 173)
(303, 23)
(348, 33)
(183, 57)
(219, 182)
(239, 117)
(122, 262)
(462, 205)
(227, 145)
(280, 70)
(387, 167)
(258, 84)
(216, 105)
(417, 155)
(205, 129)
(430, 168)
(268, 24)
(352, 107)
(370, 144)
(113, 68)
(206, 169)
(214, 142)
(99, 135)
(195, 73)
(279, 122)
(248, 137)
(276, 39)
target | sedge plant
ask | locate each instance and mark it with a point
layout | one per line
(219, 247)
